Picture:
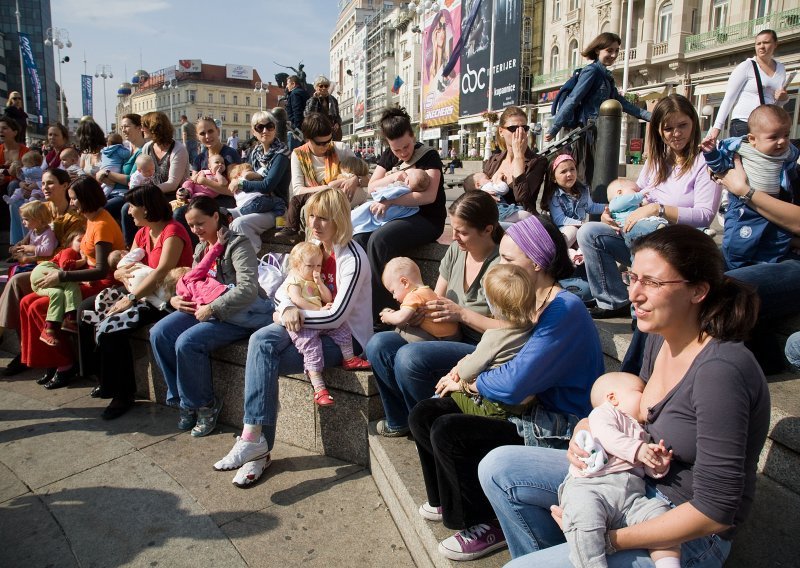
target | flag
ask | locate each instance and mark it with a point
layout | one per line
(462, 41)
(86, 94)
(398, 82)
(33, 72)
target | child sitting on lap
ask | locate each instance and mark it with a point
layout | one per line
(769, 160)
(367, 217)
(402, 278)
(31, 174)
(112, 157)
(253, 201)
(610, 493)
(65, 297)
(70, 162)
(40, 242)
(624, 197)
(307, 291)
(145, 170)
(193, 186)
(511, 298)
(509, 212)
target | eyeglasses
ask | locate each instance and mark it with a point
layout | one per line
(629, 278)
(513, 128)
(262, 126)
(323, 143)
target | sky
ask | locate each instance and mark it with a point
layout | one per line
(245, 32)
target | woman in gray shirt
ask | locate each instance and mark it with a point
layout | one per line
(706, 397)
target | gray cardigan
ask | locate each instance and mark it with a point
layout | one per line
(236, 265)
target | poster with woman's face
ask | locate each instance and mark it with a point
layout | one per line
(440, 93)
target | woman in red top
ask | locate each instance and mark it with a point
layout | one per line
(166, 246)
(11, 153)
(102, 236)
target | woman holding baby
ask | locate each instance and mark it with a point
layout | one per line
(131, 129)
(517, 165)
(164, 244)
(705, 396)
(680, 191)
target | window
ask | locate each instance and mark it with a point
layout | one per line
(247, 118)
(761, 8)
(554, 62)
(192, 96)
(199, 115)
(719, 14)
(222, 117)
(236, 99)
(573, 5)
(247, 103)
(556, 10)
(222, 99)
(664, 22)
(236, 117)
(210, 97)
(574, 54)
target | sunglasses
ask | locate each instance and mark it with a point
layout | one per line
(324, 142)
(324, 86)
(513, 128)
(16, 98)
(262, 126)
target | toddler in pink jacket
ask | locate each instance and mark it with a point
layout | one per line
(199, 284)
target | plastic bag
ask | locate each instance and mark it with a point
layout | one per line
(271, 273)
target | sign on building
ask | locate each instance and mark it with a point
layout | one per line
(190, 65)
(440, 93)
(238, 72)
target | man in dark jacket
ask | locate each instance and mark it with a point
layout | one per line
(296, 98)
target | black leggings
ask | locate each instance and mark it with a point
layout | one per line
(395, 238)
(451, 445)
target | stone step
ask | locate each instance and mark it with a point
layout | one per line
(395, 467)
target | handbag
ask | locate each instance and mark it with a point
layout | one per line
(271, 273)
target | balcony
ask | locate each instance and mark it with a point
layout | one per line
(780, 22)
(660, 49)
(573, 16)
(623, 54)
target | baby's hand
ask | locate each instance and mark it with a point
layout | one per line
(317, 277)
(663, 457)
(708, 145)
(327, 306)
(647, 456)
(385, 312)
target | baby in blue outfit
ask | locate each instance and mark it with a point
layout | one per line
(625, 197)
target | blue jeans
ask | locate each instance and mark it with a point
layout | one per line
(778, 287)
(270, 353)
(182, 347)
(264, 204)
(16, 230)
(793, 350)
(407, 372)
(602, 248)
(522, 483)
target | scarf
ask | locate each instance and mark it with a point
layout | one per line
(261, 159)
(305, 157)
(533, 239)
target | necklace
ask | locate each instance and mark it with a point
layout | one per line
(541, 306)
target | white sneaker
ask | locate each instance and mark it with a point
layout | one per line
(426, 511)
(243, 452)
(251, 471)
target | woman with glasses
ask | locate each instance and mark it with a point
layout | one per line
(680, 191)
(517, 165)
(325, 103)
(14, 110)
(705, 397)
(269, 157)
(315, 166)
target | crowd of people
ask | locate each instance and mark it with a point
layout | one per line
(497, 371)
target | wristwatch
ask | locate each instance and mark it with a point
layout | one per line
(661, 211)
(131, 297)
(748, 196)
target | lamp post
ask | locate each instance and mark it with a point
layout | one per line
(59, 37)
(261, 89)
(104, 71)
(169, 86)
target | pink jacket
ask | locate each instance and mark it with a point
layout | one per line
(198, 286)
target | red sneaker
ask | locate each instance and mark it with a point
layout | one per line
(323, 398)
(49, 336)
(356, 364)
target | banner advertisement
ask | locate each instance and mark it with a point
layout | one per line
(86, 94)
(238, 72)
(357, 64)
(440, 94)
(507, 53)
(190, 65)
(33, 72)
(475, 58)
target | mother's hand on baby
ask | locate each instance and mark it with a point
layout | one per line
(123, 273)
(182, 305)
(120, 306)
(606, 218)
(646, 210)
(378, 208)
(444, 310)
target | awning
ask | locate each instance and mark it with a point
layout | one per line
(711, 88)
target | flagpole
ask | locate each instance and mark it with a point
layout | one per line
(487, 151)
(21, 62)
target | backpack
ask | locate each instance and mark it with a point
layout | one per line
(561, 97)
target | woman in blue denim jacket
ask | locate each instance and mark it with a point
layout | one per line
(595, 86)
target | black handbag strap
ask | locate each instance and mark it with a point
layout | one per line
(758, 82)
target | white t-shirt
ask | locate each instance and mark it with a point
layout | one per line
(741, 93)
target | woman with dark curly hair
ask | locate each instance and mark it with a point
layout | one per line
(91, 140)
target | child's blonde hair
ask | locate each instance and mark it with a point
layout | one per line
(238, 170)
(302, 252)
(509, 291)
(354, 165)
(32, 159)
(70, 153)
(401, 266)
(170, 281)
(143, 159)
(37, 210)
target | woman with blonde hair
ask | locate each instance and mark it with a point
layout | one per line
(15, 110)
(270, 350)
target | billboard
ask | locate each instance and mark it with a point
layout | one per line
(86, 95)
(440, 94)
(357, 65)
(190, 65)
(475, 58)
(33, 73)
(238, 72)
(507, 53)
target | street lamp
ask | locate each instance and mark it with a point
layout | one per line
(59, 37)
(261, 88)
(104, 71)
(171, 85)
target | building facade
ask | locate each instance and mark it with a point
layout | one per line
(688, 47)
(35, 19)
(211, 91)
